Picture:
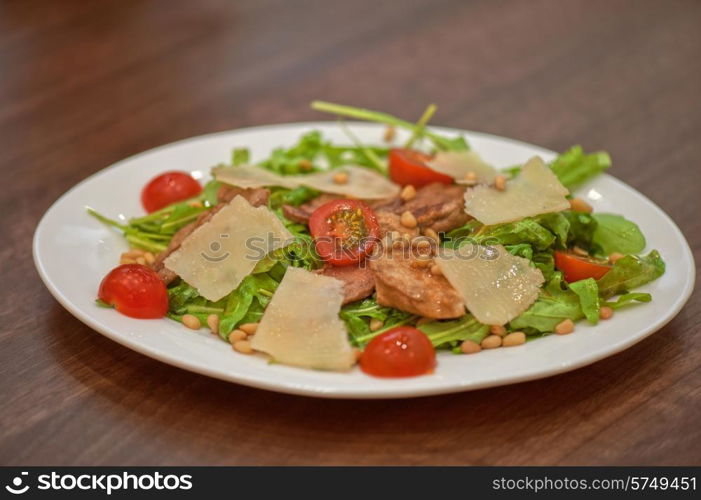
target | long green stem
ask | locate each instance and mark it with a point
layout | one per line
(374, 159)
(420, 127)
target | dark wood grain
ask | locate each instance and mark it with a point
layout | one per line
(86, 83)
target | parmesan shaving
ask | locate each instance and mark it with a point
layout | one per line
(219, 254)
(361, 182)
(495, 285)
(535, 191)
(301, 326)
(466, 167)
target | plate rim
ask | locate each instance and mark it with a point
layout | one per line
(344, 393)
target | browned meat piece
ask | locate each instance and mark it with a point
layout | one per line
(403, 282)
(358, 282)
(436, 206)
(389, 222)
(255, 196)
(386, 205)
(302, 213)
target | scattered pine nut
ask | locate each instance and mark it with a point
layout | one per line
(141, 260)
(149, 257)
(580, 251)
(605, 312)
(470, 347)
(408, 220)
(213, 323)
(305, 165)
(436, 270)
(471, 177)
(491, 342)
(579, 205)
(615, 256)
(430, 233)
(390, 133)
(500, 182)
(340, 178)
(133, 253)
(243, 346)
(249, 328)
(564, 327)
(237, 335)
(376, 324)
(497, 330)
(125, 260)
(196, 204)
(192, 322)
(514, 338)
(408, 193)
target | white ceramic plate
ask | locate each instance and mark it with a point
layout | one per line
(73, 251)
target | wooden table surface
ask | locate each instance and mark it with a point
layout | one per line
(86, 83)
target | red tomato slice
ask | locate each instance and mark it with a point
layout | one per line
(344, 231)
(400, 352)
(136, 291)
(575, 267)
(408, 166)
(168, 188)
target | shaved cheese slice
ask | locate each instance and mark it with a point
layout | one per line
(458, 164)
(220, 253)
(361, 182)
(535, 191)
(495, 285)
(301, 326)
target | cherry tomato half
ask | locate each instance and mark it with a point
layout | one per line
(344, 231)
(408, 166)
(136, 291)
(168, 188)
(400, 352)
(575, 267)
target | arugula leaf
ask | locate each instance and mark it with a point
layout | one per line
(558, 224)
(629, 299)
(240, 156)
(357, 316)
(574, 167)
(588, 293)
(614, 233)
(631, 272)
(447, 334)
(555, 303)
(581, 230)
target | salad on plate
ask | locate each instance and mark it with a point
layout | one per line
(325, 255)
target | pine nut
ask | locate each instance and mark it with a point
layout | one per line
(390, 133)
(471, 178)
(565, 327)
(376, 324)
(192, 322)
(305, 165)
(408, 193)
(579, 205)
(436, 270)
(497, 330)
(249, 328)
(500, 182)
(430, 233)
(491, 342)
(150, 258)
(407, 219)
(340, 178)
(237, 335)
(470, 347)
(580, 251)
(514, 338)
(125, 260)
(196, 204)
(615, 256)
(141, 260)
(605, 312)
(213, 323)
(243, 346)
(133, 253)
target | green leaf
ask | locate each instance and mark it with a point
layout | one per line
(240, 156)
(555, 304)
(581, 230)
(631, 272)
(446, 334)
(357, 316)
(558, 224)
(628, 299)
(614, 233)
(574, 167)
(588, 293)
